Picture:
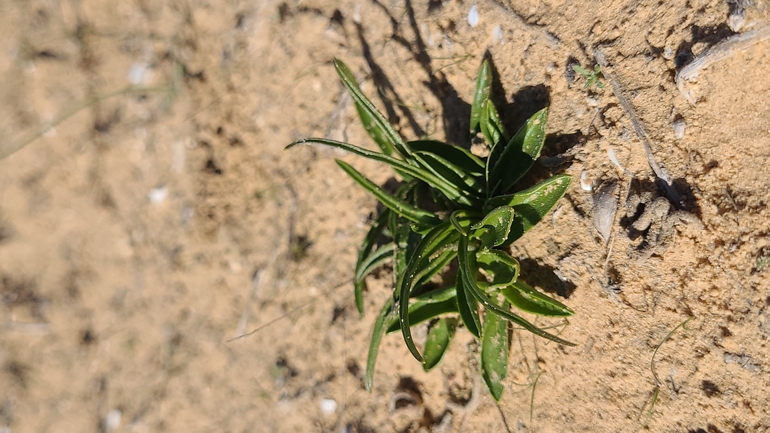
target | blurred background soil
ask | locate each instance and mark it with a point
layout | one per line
(157, 217)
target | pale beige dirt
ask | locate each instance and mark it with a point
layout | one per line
(115, 304)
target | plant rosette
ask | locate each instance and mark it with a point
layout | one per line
(478, 218)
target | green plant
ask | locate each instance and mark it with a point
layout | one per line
(592, 77)
(474, 219)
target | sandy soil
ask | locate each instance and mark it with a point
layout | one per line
(162, 218)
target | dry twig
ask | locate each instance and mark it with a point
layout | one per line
(718, 53)
(660, 173)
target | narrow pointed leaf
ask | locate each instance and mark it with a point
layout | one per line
(519, 153)
(524, 297)
(433, 238)
(404, 209)
(378, 135)
(483, 91)
(468, 307)
(376, 124)
(439, 337)
(491, 127)
(374, 343)
(467, 261)
(421, 311)
(437, 295)
(450, 173)
(433, 267)
(497, 124)
(458, 156)
(400, 166)
(370, 240)
(532, 204)
(493, 230)
(404, 237)
(462, 220)
(494, 353)
(375, 260)
(499, 266)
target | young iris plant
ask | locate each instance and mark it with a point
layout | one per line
(479, 219)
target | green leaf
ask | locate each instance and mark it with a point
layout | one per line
(518, 155)
(375, 123)
(467, 306)
(451, 173)
(423, 310)
(491, 126)
(501, 268)
(431, 242)
(462, 220)
(448, 189)
(375, 132)
(374, 343)
(494, 353)
(482, 94)
(467, 261)
(371, 263)
(404, 237)
(526, 298)
(406, 210)
(493, 230)
(439, 336)
(375, 260)
(496, 123)
(532, 204)
(437, 295)
(468, 162)
(370, 240)
(433, 267)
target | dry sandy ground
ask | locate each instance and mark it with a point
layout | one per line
(163, 217)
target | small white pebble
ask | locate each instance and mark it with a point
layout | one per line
(585, 182)
(328, 406)
(497, 34)
(473, 16)
(592, 102)
(679, 127)
(668, 53)
(736, 19)
(113, 420)
(605, 206)
(137, 73)
(158, 194)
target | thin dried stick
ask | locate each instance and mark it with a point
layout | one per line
(661, 174)
(719, 52)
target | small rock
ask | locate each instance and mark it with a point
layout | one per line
(158, 194)
(328, 406)
(497, 34)
(473, 16)
(736, 19)
(605, 206)
(679, 128)
(585, 182)
(112, 422)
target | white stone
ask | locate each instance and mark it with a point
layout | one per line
(473, 16)
(328, 406)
